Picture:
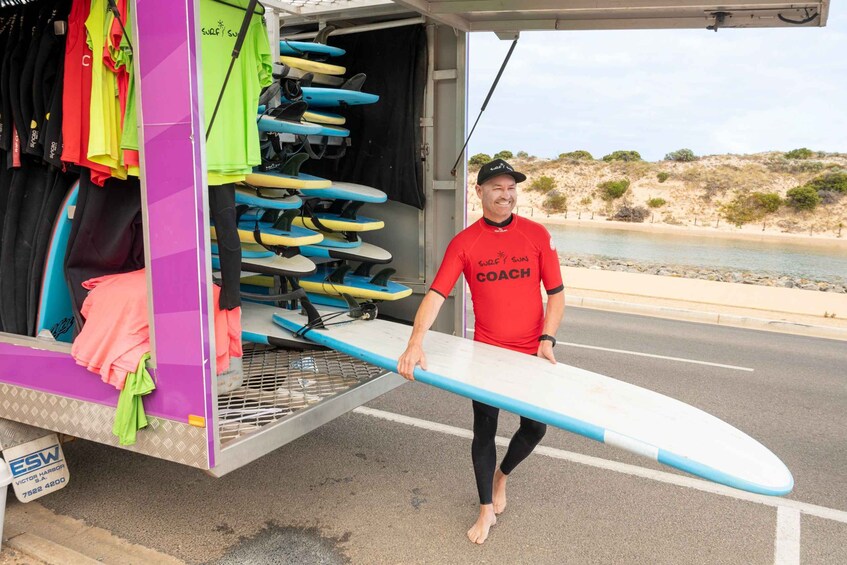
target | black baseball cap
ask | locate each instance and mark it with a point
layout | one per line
(495, 168)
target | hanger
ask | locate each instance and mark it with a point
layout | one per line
(260, 10)
(9, 3)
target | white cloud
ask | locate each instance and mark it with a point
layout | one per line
(656, 91)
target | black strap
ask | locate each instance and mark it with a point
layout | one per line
(114, 9)
(307, 210)
(236, 51)
(484, 104)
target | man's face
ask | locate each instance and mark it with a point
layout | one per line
(499, 196)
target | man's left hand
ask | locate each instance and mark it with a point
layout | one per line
(545, 351)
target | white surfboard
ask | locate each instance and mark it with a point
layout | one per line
(257, 327)
(595, 406)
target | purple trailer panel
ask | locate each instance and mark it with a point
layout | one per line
(174, 181)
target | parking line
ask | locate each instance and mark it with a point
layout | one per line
(624, 468)
(654, 356)
(787, 544)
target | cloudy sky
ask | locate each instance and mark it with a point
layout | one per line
(735, 91)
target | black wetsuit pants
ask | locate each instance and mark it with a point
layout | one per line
(484, 451)
(223, 216)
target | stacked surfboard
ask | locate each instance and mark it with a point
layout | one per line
(315, 235)
(310, 89)
(300, 231)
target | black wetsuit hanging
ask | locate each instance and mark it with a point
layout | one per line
(31, 191)
(106, 234)
(222, 212)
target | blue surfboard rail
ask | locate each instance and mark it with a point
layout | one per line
(269, 203)
(245, 252)
(340, 244)
(539, 414)
(296, 48)
(319, 97)
(331, 131)
(321, 275)
(266, 228)
(340, 193)
(272, 125)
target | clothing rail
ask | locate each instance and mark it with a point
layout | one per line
(361, 28)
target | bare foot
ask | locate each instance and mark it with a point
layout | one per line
(499, 495)
(479, 531)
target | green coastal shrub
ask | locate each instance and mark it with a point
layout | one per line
(739, 211)
(681, 155)
(586, 201)
(522, 155)
(613, 189)
(663, 176)
(835, 182)
(542, 184)
(768, 202)
(622, 156)
(555, 202)
(795, 166)
(746, 208)
(803, 198)
(579, 155)
(801, 153)
(479, 160)
(656, 202)
(505, 154)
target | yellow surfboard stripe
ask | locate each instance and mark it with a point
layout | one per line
(339, 225)
(312, 66)
(317, 118)
(291, 241)
(335, 289)
(275, 181)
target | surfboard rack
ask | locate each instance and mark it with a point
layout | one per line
(191, 422)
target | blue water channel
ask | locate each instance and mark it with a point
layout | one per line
(788, 258)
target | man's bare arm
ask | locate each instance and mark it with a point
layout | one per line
(425, 317)
(552, 319)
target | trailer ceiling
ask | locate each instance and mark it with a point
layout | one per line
(504, 16)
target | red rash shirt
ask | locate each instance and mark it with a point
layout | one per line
(504, 267)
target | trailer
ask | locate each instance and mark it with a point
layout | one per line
(43, 391)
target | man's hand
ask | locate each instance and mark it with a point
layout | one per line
(413, 356)
(545, 351)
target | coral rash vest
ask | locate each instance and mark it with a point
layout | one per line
(504, 266)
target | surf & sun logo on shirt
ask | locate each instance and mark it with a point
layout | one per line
(501, 260)
(220, 31)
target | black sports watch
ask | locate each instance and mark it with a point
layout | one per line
(550, 338)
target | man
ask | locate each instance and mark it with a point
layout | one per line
(504, 258)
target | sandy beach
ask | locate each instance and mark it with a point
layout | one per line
(747, 233)
(691, 200)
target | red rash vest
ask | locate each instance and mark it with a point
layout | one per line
(504, 267)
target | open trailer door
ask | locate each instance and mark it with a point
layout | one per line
(43, 391)
(550, 15)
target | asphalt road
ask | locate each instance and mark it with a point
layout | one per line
(364, 489)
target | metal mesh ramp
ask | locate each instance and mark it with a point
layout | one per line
(278, 383)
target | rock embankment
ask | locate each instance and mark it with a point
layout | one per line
(831, 284)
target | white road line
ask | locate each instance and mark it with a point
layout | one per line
(639, 354)
(787, 544)
(654, 356)
(624, 468)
